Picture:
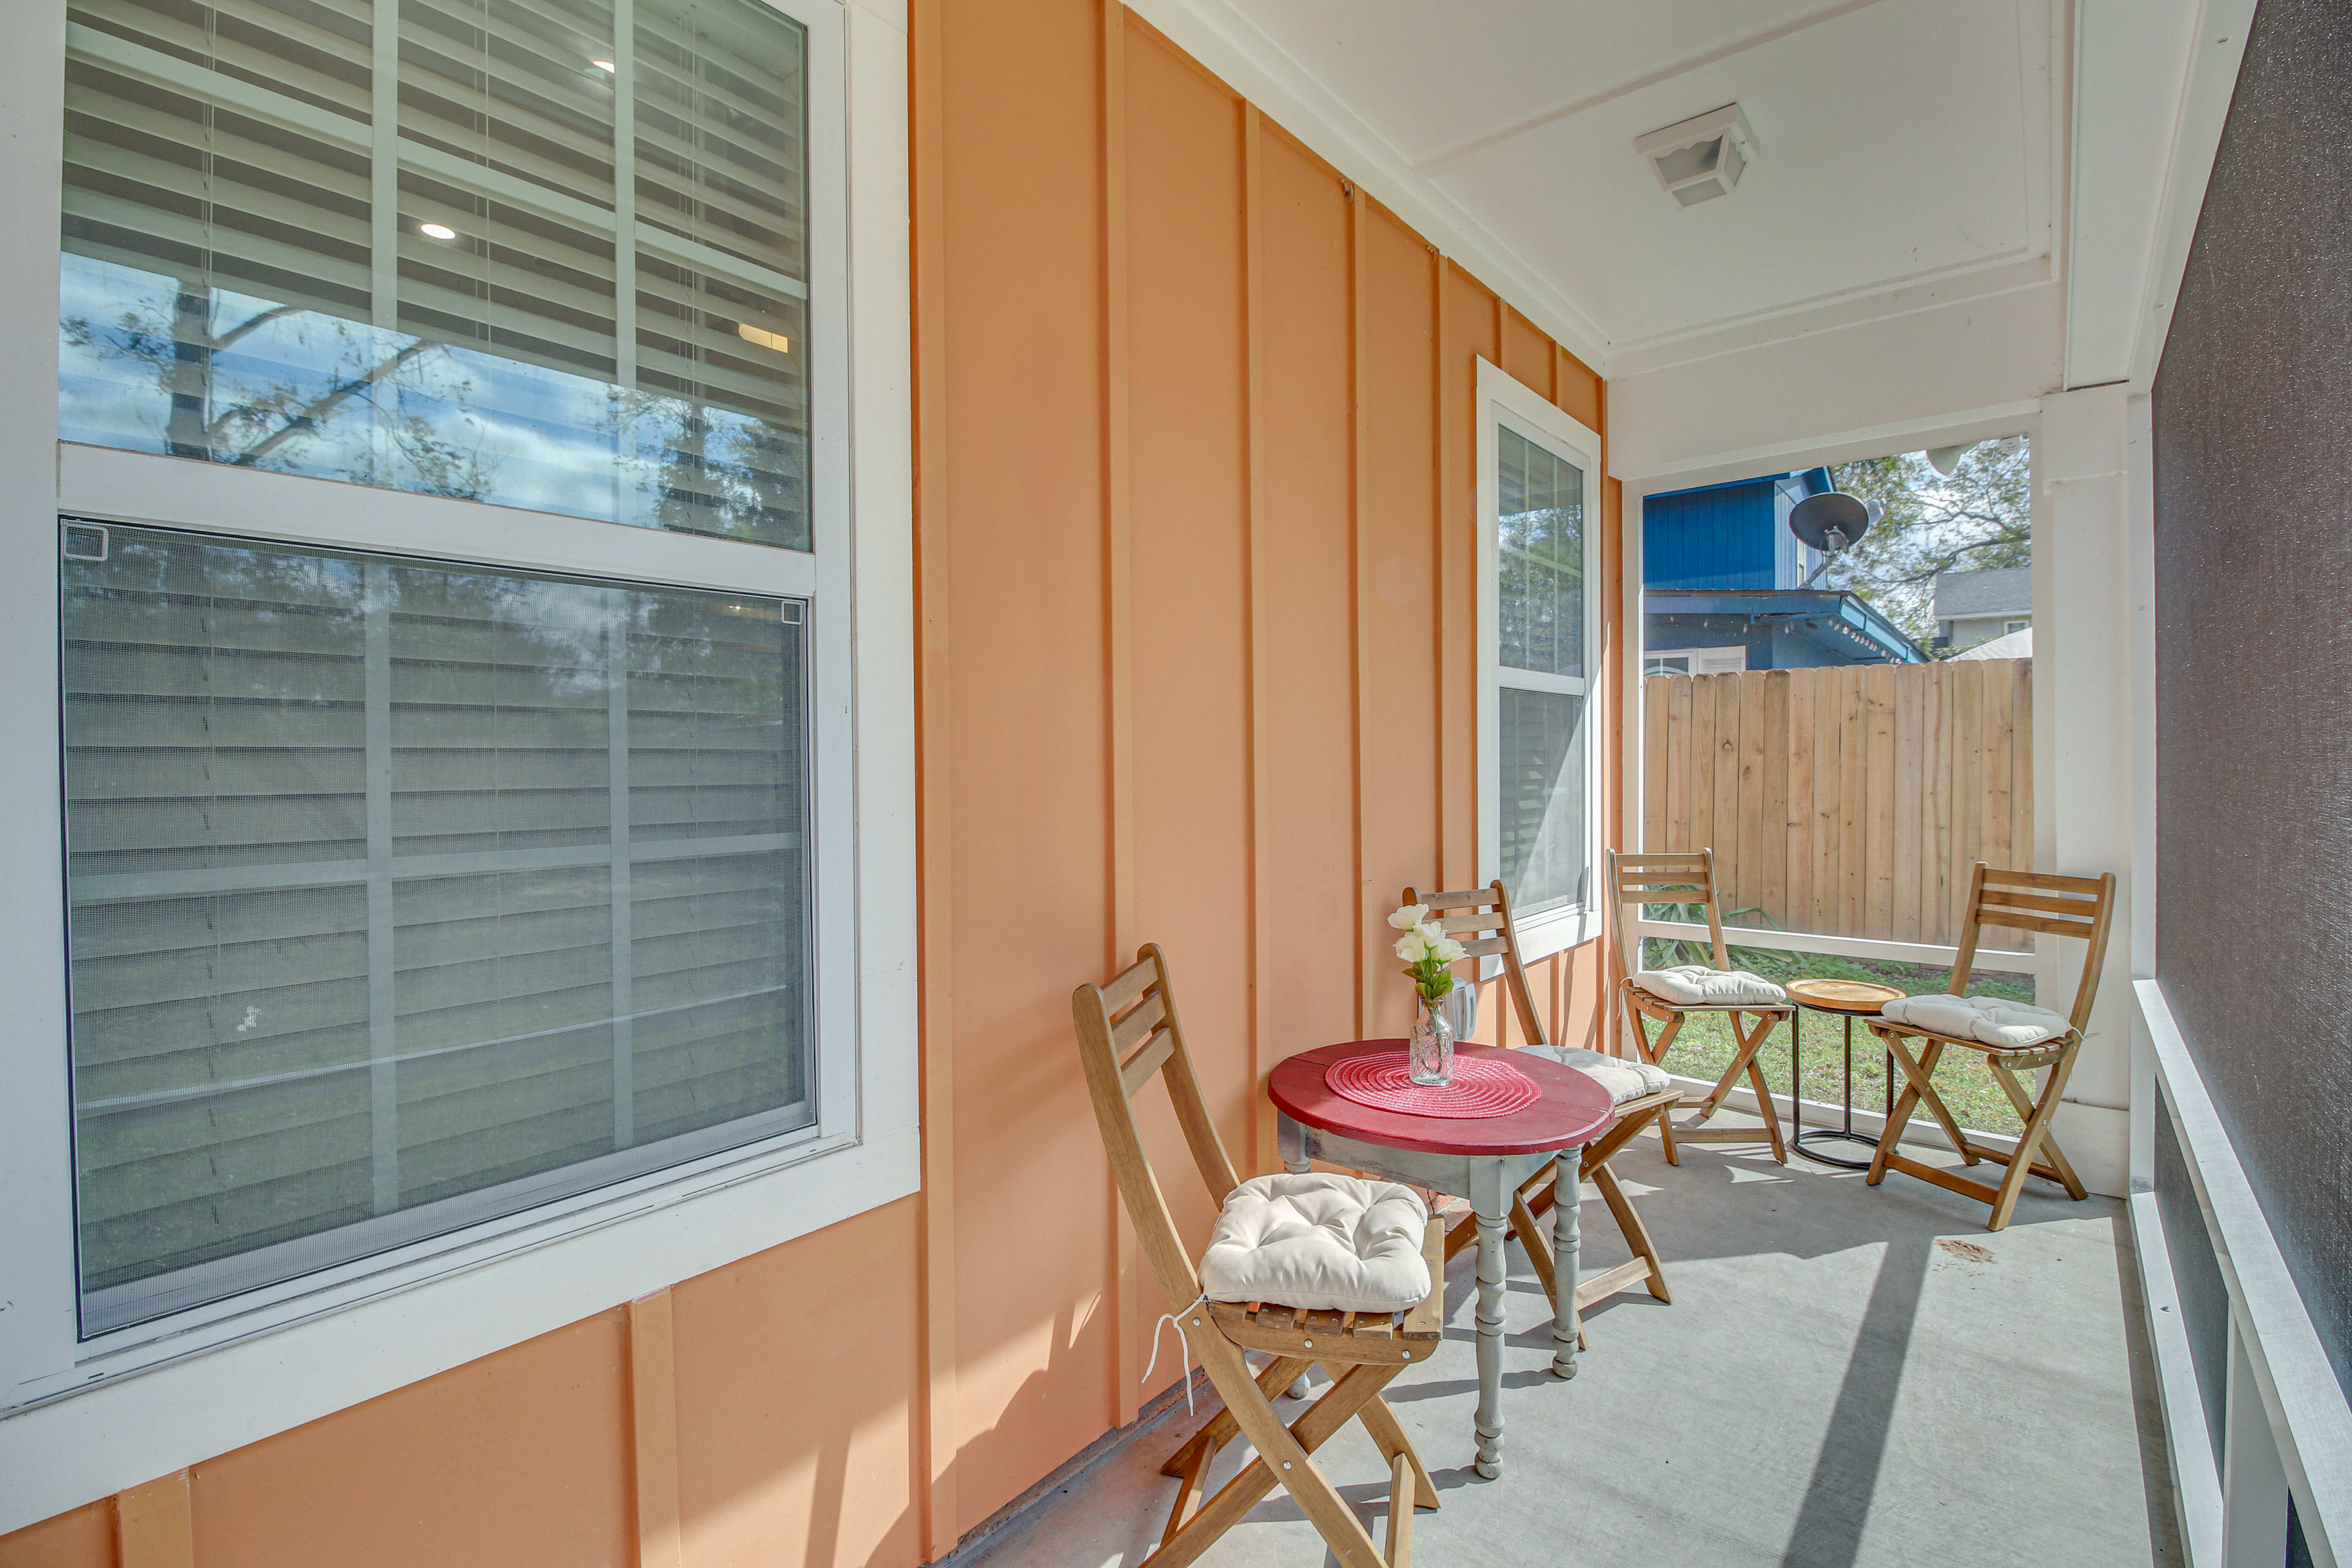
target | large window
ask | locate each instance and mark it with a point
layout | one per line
(461, 695)
(549, 255)
(406, 894)
(1539, 605)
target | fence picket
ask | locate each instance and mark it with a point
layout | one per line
(1845, 801)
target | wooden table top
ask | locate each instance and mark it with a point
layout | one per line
(1571, 1108)
(1857, 997)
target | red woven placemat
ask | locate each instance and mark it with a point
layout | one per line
(1482, 1087)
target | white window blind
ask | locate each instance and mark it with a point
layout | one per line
(1541, 657)
(405, 895)
(547, 253)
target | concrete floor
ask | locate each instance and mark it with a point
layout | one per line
(1833, 1387)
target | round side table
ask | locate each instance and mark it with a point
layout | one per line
(1848, 999)
(1484, 1159)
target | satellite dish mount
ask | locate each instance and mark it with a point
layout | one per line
(1831, 523)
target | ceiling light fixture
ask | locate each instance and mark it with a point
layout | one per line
(764, 337)
(1703, 157)
(436, 231)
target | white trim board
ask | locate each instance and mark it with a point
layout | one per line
(1929, 954)
(2308, 1418)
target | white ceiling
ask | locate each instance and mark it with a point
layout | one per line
(1904, 144)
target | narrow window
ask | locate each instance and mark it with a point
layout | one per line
(1539, 605)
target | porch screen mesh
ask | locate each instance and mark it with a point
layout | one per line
(405, 895)
(547, 253)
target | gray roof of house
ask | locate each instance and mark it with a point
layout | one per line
(2006, 591)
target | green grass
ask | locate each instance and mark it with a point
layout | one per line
(1704, 1047)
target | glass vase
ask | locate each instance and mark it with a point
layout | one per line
(1429, 1049)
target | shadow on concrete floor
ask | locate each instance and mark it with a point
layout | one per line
(1834, 1386)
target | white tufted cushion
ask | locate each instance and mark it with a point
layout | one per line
(1328, 1242)
(1624, 1079)
(1697, 985)
(2013, 1025)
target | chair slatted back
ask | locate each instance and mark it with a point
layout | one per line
(1676, 876)
(2047, 904)
(1128, 1033)
(1480, 919)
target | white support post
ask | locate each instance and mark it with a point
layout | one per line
(2139, 909)
(2084, 791)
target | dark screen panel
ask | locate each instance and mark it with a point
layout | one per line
(2252, 413)
(2196, 1280)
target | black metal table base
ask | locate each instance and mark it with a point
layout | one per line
(1800, 1136)
(1827, 1134)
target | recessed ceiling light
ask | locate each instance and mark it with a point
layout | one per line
(436, 231)
(1703, 157)
(606, 66)
(764, 337)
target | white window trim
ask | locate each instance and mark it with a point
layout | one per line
(78, 1421)
(1721, 658)
(1502, 398)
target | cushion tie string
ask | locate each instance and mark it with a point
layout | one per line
(1169, 1319)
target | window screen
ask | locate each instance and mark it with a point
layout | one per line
(1541, 657)
(550, 255)
(405, 895)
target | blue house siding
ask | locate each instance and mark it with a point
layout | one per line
(1720, 569)
(1731, 536)
(1710, 538)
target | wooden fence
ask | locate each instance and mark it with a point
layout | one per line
(1848, 800)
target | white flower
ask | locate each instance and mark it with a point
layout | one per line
(1445, 950)
(1410, 916)
(1413, 947)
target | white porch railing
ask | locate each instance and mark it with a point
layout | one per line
(2287, 1429)
(1930, 954)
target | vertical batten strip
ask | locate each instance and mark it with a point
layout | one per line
(1119, 638)
(1441, 623)
(155, 1524)
(652, 1423)
(1360, 585)
(1457, 806)
(1254, 529)
(937, 1436)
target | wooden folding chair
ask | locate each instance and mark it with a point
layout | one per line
(1480, 919)
(1689, 877)
(1127, 1032)
(2081, 907)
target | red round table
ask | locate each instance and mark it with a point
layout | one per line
(1486, 1160)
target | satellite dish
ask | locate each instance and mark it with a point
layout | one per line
(1831, 522)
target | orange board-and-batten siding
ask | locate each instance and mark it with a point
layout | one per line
(1198, 542)
(1196, 546)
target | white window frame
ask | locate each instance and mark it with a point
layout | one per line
(80, 1419)
(1732, 661)
(1503, 400)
